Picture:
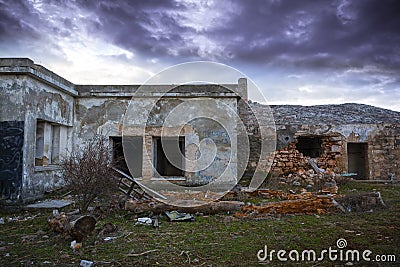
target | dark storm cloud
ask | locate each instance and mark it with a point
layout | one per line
(301, 34)
(132, 25)
(317, 34)
(15, 18)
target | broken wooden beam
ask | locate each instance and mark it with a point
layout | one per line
(159, 207)
(77, 228)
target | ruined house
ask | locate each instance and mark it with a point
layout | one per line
(43, 117)
(360, 140)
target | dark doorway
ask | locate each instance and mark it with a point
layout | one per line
(133, 146)
(309, 146)
(11, 158)
(173, 164)
(357, 157)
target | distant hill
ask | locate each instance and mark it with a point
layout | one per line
(349, 113)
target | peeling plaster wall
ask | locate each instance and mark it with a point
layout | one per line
(105, 116)
(98, 116)
(27, 99)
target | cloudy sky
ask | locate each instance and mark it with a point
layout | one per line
(297, 52)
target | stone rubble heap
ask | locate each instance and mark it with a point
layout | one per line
(313, 181)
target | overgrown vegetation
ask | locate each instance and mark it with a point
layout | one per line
(87, 172)
(218, 240)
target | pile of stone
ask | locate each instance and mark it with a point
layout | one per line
(313, 181)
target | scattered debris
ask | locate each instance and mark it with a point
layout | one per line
(86, 263)
(77, 228)
(364, 202)
(75, 245)
(318, 204)
(19, 218)
(144, 221)
(56, 213)
(107, 229)
(177, 216)
(109, 238)
(330, 187)
(155, 222)
(271, 194)
(141, 254)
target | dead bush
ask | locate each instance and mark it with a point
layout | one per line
(87, 172)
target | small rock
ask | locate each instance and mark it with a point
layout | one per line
(296, 183)
(40, 232)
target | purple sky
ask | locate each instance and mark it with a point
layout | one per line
(297, 52)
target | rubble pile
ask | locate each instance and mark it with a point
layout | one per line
(315, 204)
(311, 180)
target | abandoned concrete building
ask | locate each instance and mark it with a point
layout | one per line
(43, 116)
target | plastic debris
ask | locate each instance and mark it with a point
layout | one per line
(56, 213)
(86, 263)
(109, 238)
(75, 246)
(177, 216)
(145, 221)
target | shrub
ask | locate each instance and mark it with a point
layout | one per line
(87, 172)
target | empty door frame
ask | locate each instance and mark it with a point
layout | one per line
(357, 157)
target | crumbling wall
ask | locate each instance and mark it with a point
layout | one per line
(104, 115)
(384, 153)
(98, 116)
(289, 160)
(27, 99)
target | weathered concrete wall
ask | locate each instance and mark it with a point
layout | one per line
(25, 98)
(98, 116)
(105, 115)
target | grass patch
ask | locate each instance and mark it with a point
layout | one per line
(218, 240)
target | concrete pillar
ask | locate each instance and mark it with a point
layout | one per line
(47, 136)
(242, 88)
(39, 140)
(55, 148)
(147, 171)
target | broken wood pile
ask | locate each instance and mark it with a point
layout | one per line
(317, 204)
(77, 228)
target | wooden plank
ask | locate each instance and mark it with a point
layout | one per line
(315, 167)
(140, 184)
